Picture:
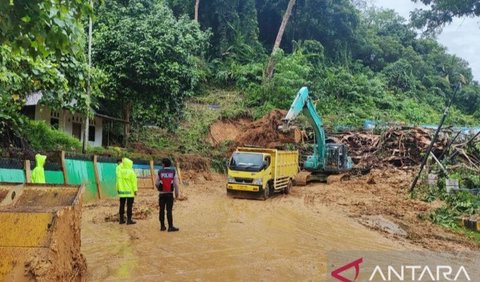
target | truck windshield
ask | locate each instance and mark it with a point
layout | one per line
(246, 162)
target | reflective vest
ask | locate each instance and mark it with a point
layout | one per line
(166, 176)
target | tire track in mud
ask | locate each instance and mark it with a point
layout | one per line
(220, 238)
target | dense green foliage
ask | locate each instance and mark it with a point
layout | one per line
(151, 59)
(42, 48)
(44, 138)
(456, 204)
(42, 27)
(358, 64)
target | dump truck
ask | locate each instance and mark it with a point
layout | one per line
(260, 172)
(40, 236)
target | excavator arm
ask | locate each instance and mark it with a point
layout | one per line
(303, 104)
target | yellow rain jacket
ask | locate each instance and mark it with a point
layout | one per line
(117, 169)
(126, 179)
(38, 173)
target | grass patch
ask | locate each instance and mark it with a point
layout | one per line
(468, 233)
(191, 136)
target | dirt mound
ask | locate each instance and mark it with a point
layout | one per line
(193, 162)
(381, 201)
(264, 132)
(139, 213)
(226, 130)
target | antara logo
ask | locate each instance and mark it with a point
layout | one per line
(405, 273)
(419, 273)
(356, 264)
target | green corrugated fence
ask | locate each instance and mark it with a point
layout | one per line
(54, 177)
(107, 176)
(82, 172)
(79, 169)
(12, 175)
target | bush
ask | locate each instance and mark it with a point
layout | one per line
(43, 137)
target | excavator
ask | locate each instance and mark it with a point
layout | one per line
(328, 161)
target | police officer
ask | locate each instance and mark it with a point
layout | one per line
(167, 184)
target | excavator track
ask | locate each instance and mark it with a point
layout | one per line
(301, 179)
(337, 178)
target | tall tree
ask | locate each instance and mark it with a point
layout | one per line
(197, 5)
(278, 40)
(441, 12)
(42, 49)
(151, 59)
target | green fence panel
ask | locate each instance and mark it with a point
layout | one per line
(106, 173)
(12, 175)
(54, 177)
(82, 172)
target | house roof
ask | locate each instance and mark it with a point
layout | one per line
(34, 99)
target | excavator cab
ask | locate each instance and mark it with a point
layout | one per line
(336, 158)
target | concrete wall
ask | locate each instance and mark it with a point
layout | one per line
(66, 121)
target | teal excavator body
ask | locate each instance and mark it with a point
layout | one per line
(326, 158)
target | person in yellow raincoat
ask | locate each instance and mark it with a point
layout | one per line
(126, 189)
(38, 173)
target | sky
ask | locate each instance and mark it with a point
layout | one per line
(461, 37)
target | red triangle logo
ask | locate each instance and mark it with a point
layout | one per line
(356, 264)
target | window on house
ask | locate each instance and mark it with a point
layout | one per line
(55, 119)
(91, 133)
(54, 122)
(77, 130)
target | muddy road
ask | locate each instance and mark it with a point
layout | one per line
(282, 239)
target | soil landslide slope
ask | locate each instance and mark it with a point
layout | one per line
(261, 133)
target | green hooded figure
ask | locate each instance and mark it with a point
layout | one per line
(126, 179)
(127, 189)
(38, 173)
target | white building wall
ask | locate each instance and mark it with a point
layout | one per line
(66, 120)
(98, 133)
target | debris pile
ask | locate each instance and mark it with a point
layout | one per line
(396, 146)
(400, 147)
(361, 146)
(404, 147)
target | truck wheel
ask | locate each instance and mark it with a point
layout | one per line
(266, 192)
(288, 189)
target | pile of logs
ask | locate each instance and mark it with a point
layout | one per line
(401, 147)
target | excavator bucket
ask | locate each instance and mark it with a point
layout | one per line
(294, 135)
(40, 233)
